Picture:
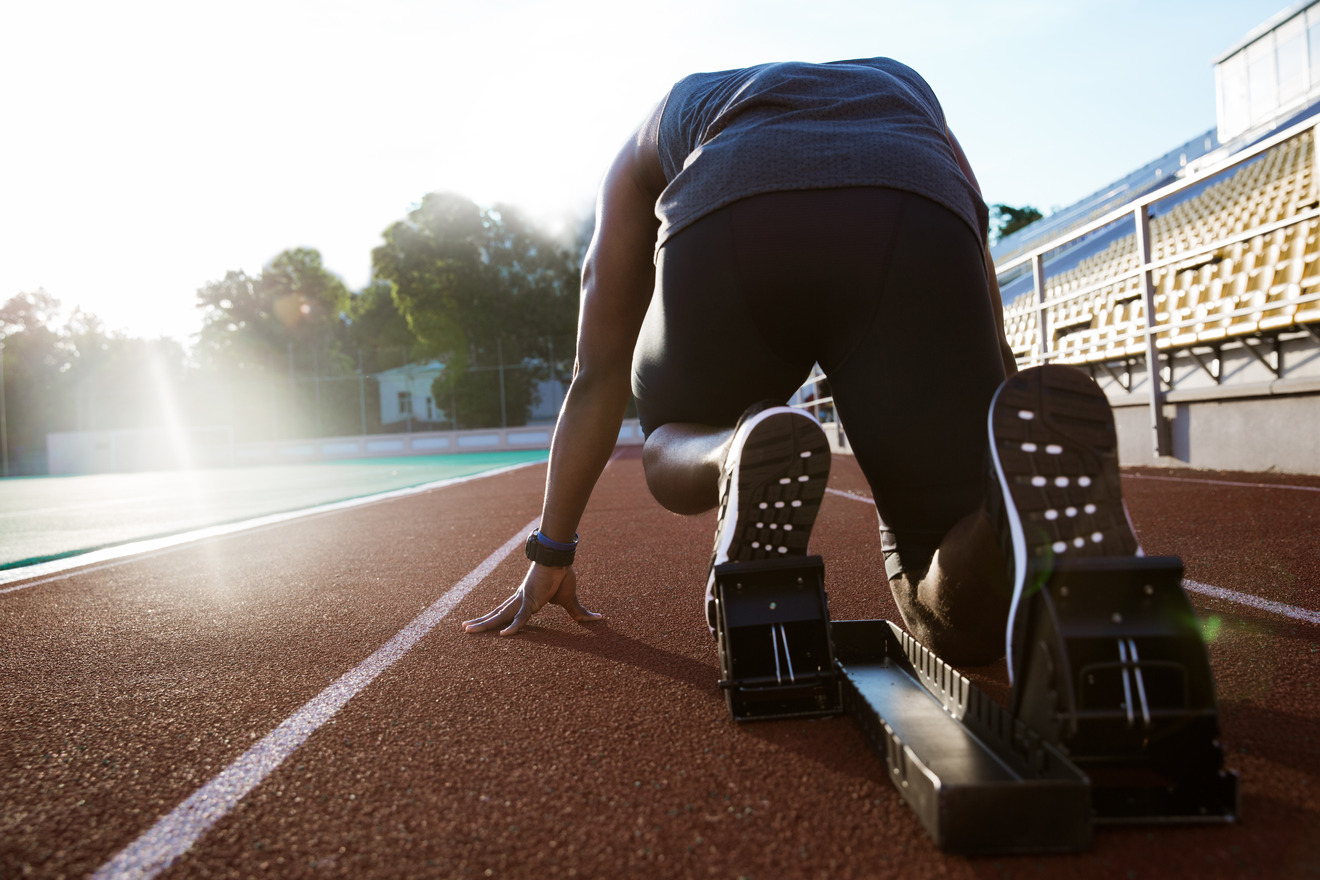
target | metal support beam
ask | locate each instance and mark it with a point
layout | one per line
(1038, 284)
(1125, 380)
(1272, 360)
(1159, 427)
(1215, 368)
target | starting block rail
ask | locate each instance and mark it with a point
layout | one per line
(979, 781)
(1112, 718)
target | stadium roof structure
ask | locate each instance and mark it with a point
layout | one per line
(1264, 28)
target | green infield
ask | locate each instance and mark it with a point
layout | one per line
(44, 518)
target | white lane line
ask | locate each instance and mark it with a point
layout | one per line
(1222, 482)
(1247, 599)
(1257, 602)
(176, 832)
(45, 572)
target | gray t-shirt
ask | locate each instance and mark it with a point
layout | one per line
(787, 126)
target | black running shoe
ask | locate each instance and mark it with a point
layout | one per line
(771, 487)
(1055, 458)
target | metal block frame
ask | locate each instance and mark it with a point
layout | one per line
(1116, 674)
(772, 624)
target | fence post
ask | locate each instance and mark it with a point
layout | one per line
(274, 402)
(316, 384)
(362, 393)
(499, 355)
(4, 426)
(1158, 425)
(293, 394)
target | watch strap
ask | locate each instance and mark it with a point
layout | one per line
(545, 551)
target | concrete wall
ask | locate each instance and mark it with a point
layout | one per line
(93, 452)
(1247, 419)
(145, 449)
(1279, 432)
(422, 443)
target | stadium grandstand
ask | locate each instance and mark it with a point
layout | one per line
(1204, 263)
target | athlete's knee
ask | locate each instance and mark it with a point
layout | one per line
(681, 464)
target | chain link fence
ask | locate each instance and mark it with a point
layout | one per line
(306, 394)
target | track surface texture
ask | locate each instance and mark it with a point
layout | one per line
(591, 750)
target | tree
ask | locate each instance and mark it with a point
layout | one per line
(377, 328)
(70, 374)
(250, 323)
(481, 288)
(1007, 219)
(272, 343)
(35, 365)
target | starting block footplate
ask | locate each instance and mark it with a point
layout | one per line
(772, 624)
(1114, 672)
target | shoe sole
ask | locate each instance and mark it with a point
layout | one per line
(1055, 454)
(773, 481)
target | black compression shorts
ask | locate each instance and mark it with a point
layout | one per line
(887, 291)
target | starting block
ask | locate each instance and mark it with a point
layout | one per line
(772, 623)
(1114, 671)
(1112, 717)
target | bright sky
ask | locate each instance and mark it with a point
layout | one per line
(148, 147)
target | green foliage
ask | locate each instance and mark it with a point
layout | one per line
(65, 374)
(376, 321)
(279, 351)
(36, 361)
(249, 323)
(473, 401)
(1007, 219)
(479, 287)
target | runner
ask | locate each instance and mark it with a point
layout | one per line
(759, 221)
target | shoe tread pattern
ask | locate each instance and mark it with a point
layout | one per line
(770, 471)
(1061, 465)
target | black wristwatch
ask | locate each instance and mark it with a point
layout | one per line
(547, 552)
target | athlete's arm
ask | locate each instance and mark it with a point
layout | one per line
(992, 279)
(618, 276)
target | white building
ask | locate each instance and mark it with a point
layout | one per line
(405, 393)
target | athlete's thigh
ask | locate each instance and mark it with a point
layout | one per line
(701, 356)
(913, 394)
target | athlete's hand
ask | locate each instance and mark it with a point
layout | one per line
(543, 585)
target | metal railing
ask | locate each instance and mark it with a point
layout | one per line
(1136, 212)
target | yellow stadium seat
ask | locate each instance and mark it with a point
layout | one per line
(1280, 311)
(1213, 321)
(1249, 321)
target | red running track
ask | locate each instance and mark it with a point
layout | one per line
(597, 750)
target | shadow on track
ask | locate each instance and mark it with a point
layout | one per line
(596, 638)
